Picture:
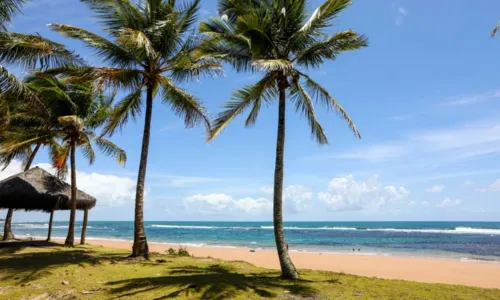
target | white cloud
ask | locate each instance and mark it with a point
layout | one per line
(402, 13)
(347, 194)
(425, 203)
(474, 99)
(447, 202)
(295, 198)
(222, 203)
(109, 190)
(468, 183)
(435, 189)
(494, 187)
(459, 142)
(377, 152)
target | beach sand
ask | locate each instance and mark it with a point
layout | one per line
(431, 270)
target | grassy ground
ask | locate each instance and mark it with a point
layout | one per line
(54, 272)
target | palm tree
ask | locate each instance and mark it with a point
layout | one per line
(26, 51)
(277, 38)
(89, 108)
(149, 48)
(24, 115)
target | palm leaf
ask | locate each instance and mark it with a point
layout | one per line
(317, 53)
(303, 104)
(321, 95)
(128, 108)
(241, 99)
(183, 104)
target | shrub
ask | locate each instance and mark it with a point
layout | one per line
(183, 252)
(171, 251)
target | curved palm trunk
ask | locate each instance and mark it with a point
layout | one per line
(70, 239)
(140, 247)
(288, 270)
(7, 229)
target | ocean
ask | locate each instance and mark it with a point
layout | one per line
(465, 240)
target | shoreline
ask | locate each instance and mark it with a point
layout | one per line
(452, 256)
(419, 269)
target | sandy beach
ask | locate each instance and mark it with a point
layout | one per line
(431, 270)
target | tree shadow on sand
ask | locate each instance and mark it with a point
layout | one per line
(212, 282)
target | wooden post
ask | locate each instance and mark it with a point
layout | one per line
(50, 225)
(84, 226)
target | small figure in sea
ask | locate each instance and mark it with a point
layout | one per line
(286, 247)
(353, 250)
(359, 249)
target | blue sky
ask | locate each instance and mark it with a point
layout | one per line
(425, 96)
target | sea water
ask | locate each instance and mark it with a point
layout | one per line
(465, 240)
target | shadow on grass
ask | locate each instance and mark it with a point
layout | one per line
(211, 282)
(26, 267)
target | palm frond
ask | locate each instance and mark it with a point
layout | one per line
(59, 157)
(128, 108)
(29, 51)
(135, 41)
(317, 53)
(107, 50)
(270, 65)
(116, 14)
(303, 104)
(8, 8)
(183, 104)
(241, 99)
(323, 15)
(85, 146)
(320, 94)
(110, 149)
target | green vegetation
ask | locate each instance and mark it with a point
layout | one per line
(278, 39)
(87, 272)
(181, 252)
(149, 50)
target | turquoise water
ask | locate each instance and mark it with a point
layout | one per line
(457, 239)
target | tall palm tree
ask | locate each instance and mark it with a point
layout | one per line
(149, 48)
(89, 110)
(277, 38)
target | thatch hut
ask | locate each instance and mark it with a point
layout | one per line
(38, 190)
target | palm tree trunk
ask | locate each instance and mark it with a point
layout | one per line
(288, 270)
(84, 226)
(7, 229)
(70, 239)
(49, 235)
(140, 247)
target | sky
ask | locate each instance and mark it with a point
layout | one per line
(425, 96)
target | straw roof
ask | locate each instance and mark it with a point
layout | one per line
(37, 189)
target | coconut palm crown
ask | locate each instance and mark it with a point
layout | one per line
(279, 39)
(148, 50)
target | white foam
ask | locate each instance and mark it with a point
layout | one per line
(311, 228)
(457, 230)
(184, 227)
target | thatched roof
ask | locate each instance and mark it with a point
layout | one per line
(37, 189)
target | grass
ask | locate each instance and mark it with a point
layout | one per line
(49, 271)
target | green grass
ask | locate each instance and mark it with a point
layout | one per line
(99, 273)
